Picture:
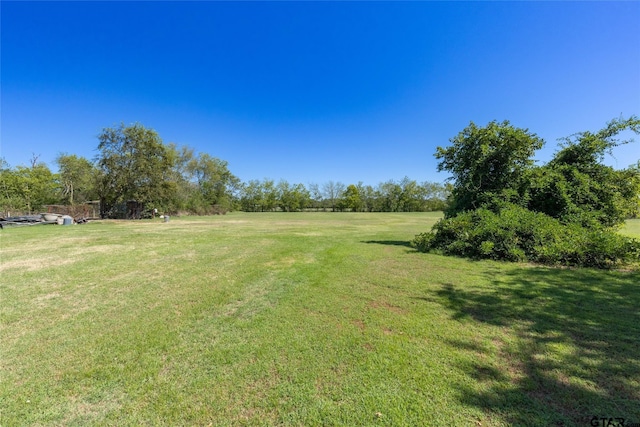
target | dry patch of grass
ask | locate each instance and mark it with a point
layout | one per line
(387, 306)
(37, 263)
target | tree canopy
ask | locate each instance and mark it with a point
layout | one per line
(77, 178)
(575, 186)
(25, 189)
(134, 164)
(487, 163)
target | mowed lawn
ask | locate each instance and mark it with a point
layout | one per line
(303, 319)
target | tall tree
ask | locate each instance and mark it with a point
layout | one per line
(487, 164)
(332, 191)
(575, 186)
(187, 196)
(134, 164)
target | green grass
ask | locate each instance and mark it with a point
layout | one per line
(303, 319)
(632, 228)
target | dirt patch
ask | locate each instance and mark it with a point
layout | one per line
(82, 411)
(42, 258)
(41, 300)
(387, 306)
(359, 324)
(33, 264)
(102, 249)
(281, 263)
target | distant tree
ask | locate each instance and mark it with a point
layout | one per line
(302, 196)
(332, 190)
(435, 195)
(390, 194)
(8, 197)
(27, 189)
(292, 198)
(265, 196)
(351, 199)
(269, 195)
(215, 182)
(316, 196)
(635, 210)
(133, 164)
(78, 178)
(251, 196)
(369, 197)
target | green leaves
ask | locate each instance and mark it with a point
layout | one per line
(576, 187)
(134, 164)
(485, 161)
(27, 189)
(518, 234)
(565, 212)
(78, 178)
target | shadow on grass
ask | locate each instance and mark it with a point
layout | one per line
(405, 243)
(570, 350)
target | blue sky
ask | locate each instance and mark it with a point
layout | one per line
(312, 92)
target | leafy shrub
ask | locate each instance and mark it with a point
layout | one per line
(515, 233)
(504, 207)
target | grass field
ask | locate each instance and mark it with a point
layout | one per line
(303, 320)
(632, 228)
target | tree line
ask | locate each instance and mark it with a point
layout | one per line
(404, 196)
(135, 165)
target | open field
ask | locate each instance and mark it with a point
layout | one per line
(632, 228)
(303, 319)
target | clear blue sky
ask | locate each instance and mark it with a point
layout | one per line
(311, 92)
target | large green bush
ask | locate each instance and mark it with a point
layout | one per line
(518, 234)
(566, 212)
